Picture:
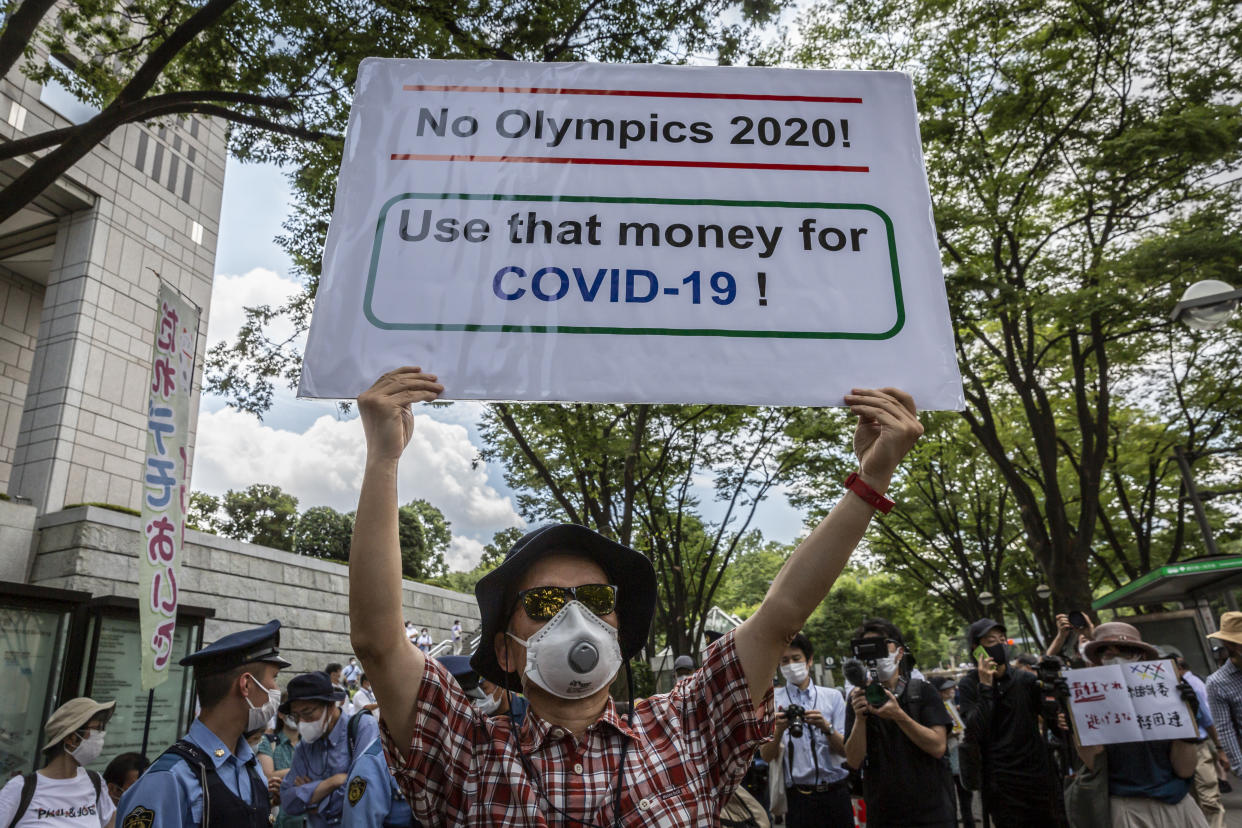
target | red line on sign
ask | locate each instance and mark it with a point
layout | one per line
(627, 162)
(632, 93)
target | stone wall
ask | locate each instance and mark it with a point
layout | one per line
(21, 304)
(17, 532)
(95, 550)
(145, 209)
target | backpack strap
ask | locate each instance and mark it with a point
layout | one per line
(29, 781)
(351, 732)
(97, 782)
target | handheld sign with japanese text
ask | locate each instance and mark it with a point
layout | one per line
(1133, 702)
(633, 234)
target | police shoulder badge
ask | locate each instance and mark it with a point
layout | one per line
(140, 817)
(357, 787)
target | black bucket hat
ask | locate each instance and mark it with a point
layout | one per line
(627, 568)
(311, 687)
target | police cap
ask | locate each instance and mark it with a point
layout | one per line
(236, 649)
(459, 666)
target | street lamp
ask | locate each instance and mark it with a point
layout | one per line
(1206, 305)
(987, 599)
(1043, 591)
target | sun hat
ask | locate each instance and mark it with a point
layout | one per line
(314, 686)
(1230, 628)
(1119, 634)
(629, 569)
(70, 716)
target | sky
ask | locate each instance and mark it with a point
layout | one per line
(310, 450)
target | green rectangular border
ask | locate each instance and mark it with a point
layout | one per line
(575, 329)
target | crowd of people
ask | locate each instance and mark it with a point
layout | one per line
(525, 729)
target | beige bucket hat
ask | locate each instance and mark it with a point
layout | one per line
(70, 717)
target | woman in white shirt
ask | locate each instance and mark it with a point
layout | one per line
(63, 793)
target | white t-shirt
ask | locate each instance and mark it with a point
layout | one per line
(58, 803)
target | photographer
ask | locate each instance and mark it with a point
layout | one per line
(1076, 627)
(1001, 707)
(810, 720)
(899, 743)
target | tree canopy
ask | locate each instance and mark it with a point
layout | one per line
(1083, 160)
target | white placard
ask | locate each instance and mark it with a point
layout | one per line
(1133, 702)
(633, 234)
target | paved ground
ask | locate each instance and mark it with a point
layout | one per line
(1233, 805)
(1232, 801)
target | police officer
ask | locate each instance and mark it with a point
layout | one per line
(372, 798)
(211, 777)
(489, 699)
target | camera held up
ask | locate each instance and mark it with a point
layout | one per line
(795, 714)
(868, 651)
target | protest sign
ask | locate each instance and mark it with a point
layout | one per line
(1132, 702)
(164, 478)
(633, 234)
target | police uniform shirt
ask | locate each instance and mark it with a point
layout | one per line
(372, 798)
(172, 795)
(326, 756)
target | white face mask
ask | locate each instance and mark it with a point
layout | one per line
(310, 731)
(488, 705)
(1117, 660)
(574, 655)
(794, 672)
(886, 667)
(257, 718)
(89, 749)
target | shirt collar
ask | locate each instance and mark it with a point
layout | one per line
(536, 731)
(339, 730)
(215, 749)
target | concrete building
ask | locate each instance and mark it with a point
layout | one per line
(80, 269)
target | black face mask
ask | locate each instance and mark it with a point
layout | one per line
(998, 653)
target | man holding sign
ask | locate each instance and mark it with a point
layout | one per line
(1148, 781)
(559, 616)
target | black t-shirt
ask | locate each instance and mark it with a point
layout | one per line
(1004, 720)
(902, 783)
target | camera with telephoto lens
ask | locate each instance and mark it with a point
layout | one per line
(1049, 670)
(795, 714)
(1053, 701)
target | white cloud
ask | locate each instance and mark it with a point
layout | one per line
(323, 467)
(231, 295)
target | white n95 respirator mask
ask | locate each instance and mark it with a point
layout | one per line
(574, 655)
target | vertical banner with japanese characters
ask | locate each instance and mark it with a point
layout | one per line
(164, 480)
(1131, 702)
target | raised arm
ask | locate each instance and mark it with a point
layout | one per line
(888, 428)
(376, 628)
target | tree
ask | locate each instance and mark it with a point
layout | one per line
(261, 514)
(862, 592)
(203, 513)
(1069, 147)
(493, 555)
(424, 536)
(750, 573)
(323, 532)
(635, 473)
(264, 66)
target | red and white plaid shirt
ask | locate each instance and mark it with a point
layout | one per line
(688, 749)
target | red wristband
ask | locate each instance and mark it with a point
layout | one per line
(859, 487)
